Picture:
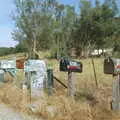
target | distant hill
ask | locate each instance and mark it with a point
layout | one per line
(12, 50)
(6, 51)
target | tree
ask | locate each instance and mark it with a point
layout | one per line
(94, 26)
(33, 24)
(49, 25)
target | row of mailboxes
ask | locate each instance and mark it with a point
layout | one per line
(70, 65)
(111, 66)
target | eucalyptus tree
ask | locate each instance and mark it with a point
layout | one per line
(33, 20)
(63, 25)
(82, 33)
(47, 24)
(68, 26)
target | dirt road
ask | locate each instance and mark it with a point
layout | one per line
(7, 113)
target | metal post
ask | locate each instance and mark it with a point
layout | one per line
(71, 85)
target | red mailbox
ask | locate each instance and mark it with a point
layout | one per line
(20, 63)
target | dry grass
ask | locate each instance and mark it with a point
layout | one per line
(90, 104)
(13, 56)
(13, 96)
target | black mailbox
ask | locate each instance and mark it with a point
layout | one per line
(111, 66)
(108, 66)
(70, 65)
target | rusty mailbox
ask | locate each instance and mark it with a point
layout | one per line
(111, 66)
(20, 63)
(70, 65)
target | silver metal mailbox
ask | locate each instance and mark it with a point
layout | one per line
(7, 66)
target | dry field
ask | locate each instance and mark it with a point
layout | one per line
(90, 103)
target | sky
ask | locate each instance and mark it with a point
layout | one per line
(7, 25)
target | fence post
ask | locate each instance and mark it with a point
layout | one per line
(116, 94)
(71, 85)
(50, 81)
(30, 91)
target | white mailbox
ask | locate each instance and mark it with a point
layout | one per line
(7, 64)
(37, 72)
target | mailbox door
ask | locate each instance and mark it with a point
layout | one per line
(108, 66)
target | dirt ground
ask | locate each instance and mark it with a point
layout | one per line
(7, 113)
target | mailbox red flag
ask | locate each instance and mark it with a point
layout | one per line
(118, 66)
(72, 67)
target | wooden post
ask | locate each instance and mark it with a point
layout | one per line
(95, 76)
(29, 78)
(116, 94)
(71, 85)
(50, 81)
